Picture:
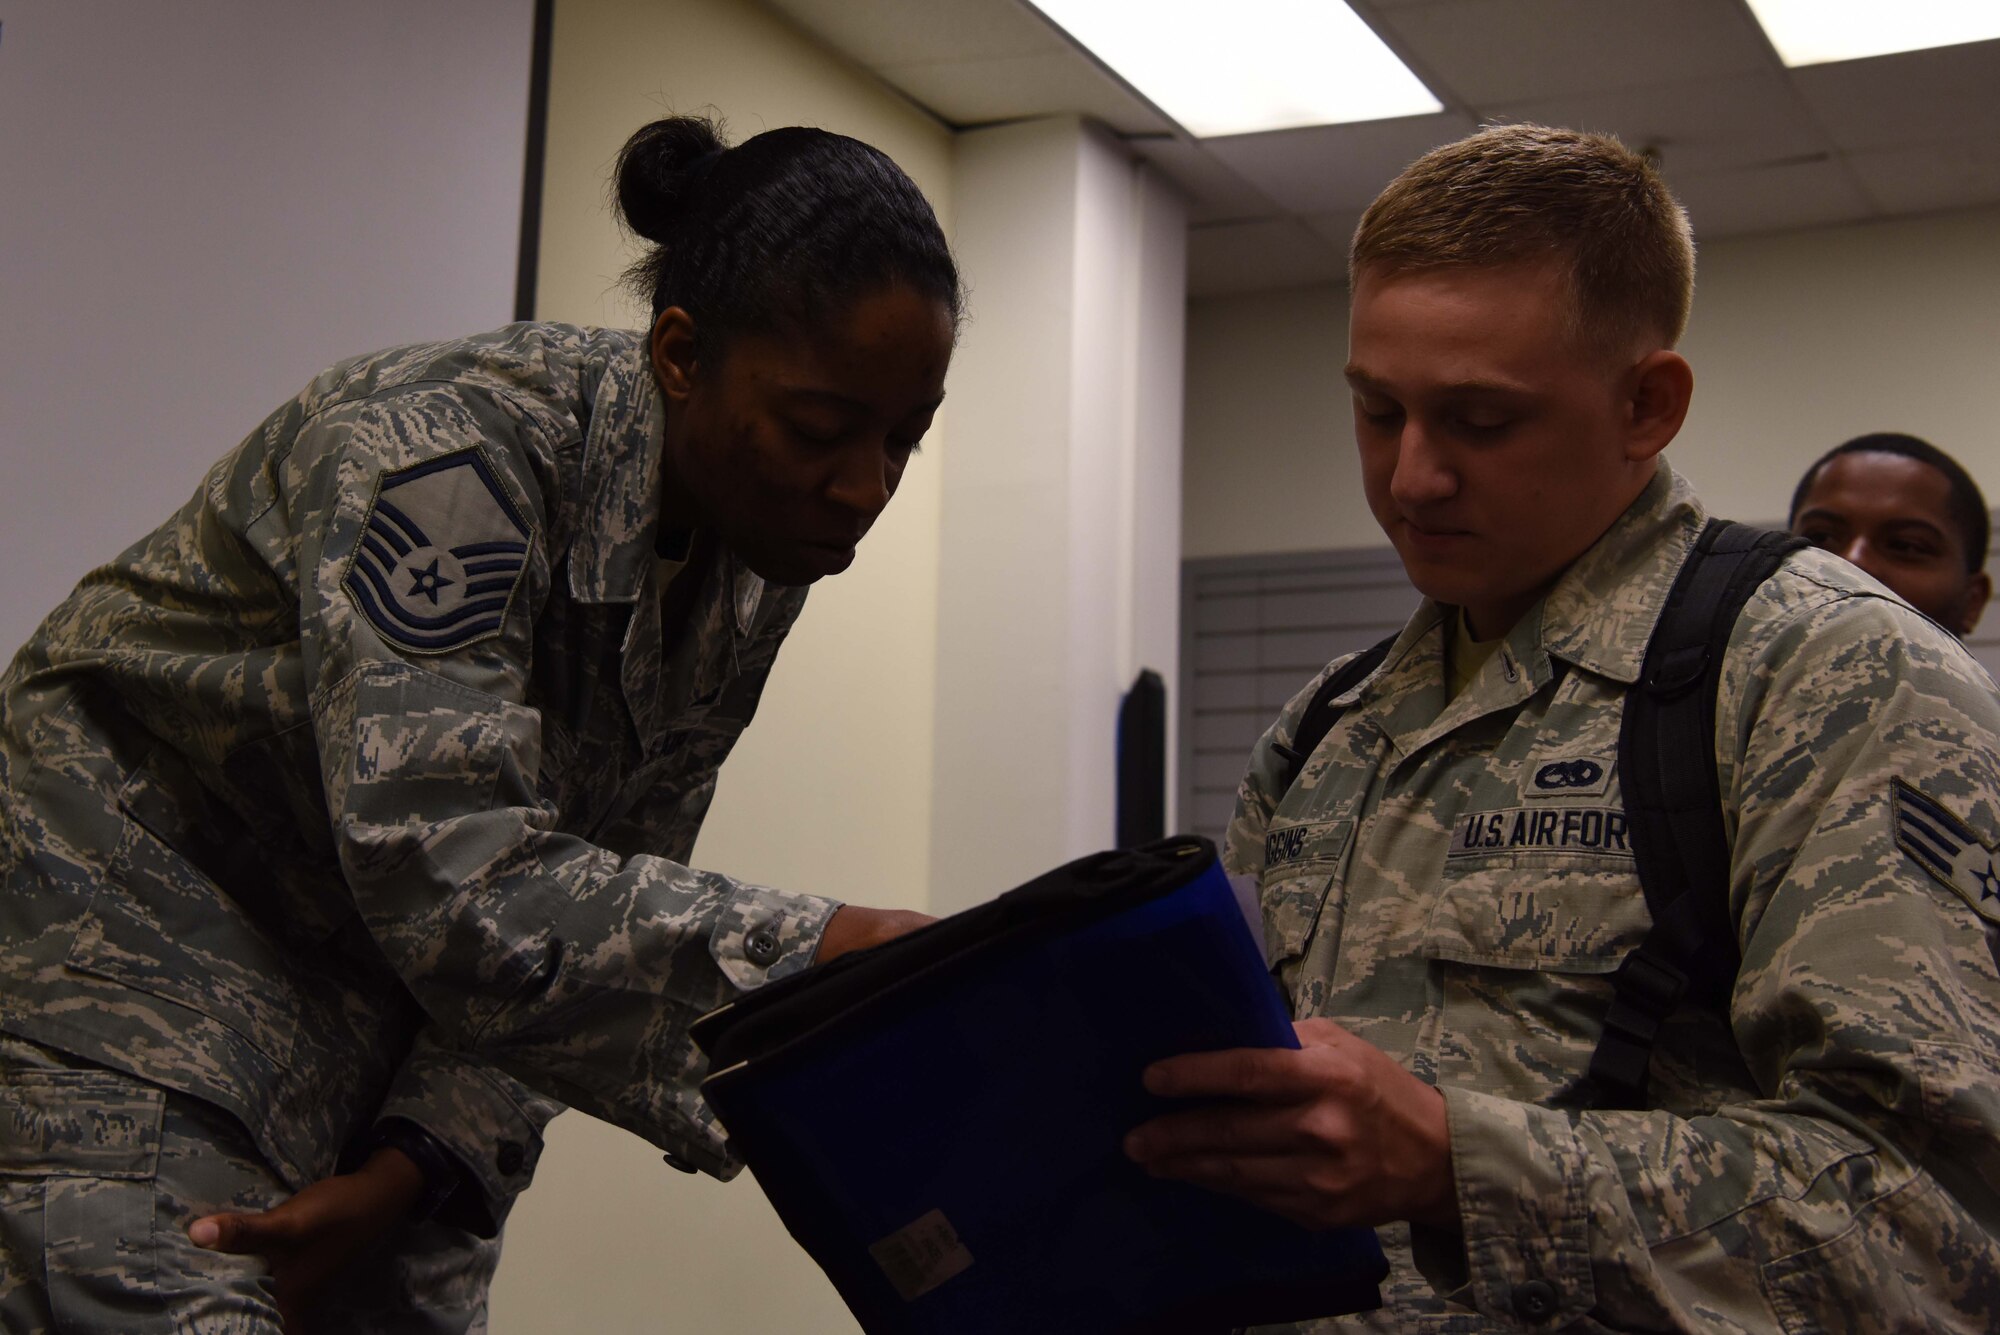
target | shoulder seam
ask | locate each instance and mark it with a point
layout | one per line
(531, 416)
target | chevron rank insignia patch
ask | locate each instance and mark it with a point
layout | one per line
(1948, 849)
(441, 554)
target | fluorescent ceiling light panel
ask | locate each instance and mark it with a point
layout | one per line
(1816, 32)
(1246, 65)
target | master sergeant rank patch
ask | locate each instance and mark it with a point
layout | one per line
(441, 554)
(1948, 849)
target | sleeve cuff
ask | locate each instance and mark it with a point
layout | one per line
(494, 1137)
(1522, 1255)
(763, 935)
(760, 936)
(443, 1175)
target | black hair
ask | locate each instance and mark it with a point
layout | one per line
(1964, 501)
(777, 233)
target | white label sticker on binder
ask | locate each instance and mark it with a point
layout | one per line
(920, 1256)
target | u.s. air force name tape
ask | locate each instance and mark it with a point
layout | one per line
(441, 554)
(1542, 830)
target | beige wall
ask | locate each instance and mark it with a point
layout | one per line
(830, 789)
(1269, 459)
(1799, 341)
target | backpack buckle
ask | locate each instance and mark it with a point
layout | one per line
(1652, 985)
(1678, 670)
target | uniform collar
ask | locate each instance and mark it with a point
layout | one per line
(1598, 616)
(611, 558)
(1602, 611)
(613, 547)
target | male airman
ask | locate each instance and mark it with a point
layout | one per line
(1820, 1149)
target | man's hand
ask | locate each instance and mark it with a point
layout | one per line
(314, 1235)
(1336, 1133)
(853, 928)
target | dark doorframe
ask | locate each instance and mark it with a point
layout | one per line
(525, 272)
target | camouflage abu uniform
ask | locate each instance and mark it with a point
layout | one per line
(373, 771)
(1453, 884)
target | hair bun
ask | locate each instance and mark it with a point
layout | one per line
(654, 172)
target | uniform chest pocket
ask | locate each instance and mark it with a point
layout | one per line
(1562, 910)
(1301, 859)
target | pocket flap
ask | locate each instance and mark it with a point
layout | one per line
(79, 1124)
(1580, 914)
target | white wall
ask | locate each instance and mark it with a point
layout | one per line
(830, 789)
(1061, 510)
(201, 206)
(1151, 500)
(1799, 341)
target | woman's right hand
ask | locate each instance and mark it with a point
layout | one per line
(317, 1233)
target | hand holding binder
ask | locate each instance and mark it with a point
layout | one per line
(1333, 1134)
(940, 1121)
(854, 928)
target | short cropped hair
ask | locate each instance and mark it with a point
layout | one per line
(1968, 513)
(1514, 194)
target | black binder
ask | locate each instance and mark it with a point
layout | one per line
(938, 1121)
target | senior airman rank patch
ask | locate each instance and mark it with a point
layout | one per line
(1947, 848)
(441, 553)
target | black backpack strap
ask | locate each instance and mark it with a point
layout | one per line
(1320, 715)
(1673, 806)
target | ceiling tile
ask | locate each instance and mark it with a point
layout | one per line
(922, 32)
(1748, 145)
(1913, 97)
(1327, 168)
(1254, 256)
(1924, 178)
(1215, 192)
(1491, 52)
(1709, 125)
(1770, 199)
(980, 92)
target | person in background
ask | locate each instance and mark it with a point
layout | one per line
(344, 819)
(1447, 879)
(1908, 514)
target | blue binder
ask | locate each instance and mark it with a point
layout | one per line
(938, 1121)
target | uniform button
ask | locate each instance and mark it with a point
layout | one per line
(511, 1157)
(1534, 1300)
(761, 946)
